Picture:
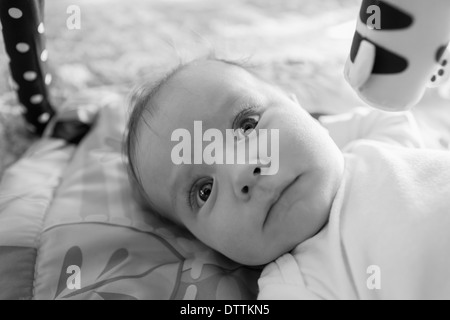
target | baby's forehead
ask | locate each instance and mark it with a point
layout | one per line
(209, 91)
(203, 72)
(205, 82)
(199, 90)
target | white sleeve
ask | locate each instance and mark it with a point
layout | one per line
(282, 280)
(394, 128)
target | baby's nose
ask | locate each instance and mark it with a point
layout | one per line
(245, 179)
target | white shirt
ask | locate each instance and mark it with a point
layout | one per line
(388, 235)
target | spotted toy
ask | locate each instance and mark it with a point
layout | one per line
(24, 38)
(391, 66)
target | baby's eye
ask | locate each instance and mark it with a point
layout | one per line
(199, 194)
(203, 192)
(248, 124)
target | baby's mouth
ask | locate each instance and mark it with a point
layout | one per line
(279, 197)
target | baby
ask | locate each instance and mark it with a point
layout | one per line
(357, 196)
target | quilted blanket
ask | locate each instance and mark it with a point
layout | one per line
(69, 229)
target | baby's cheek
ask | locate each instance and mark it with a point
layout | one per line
(229, 237)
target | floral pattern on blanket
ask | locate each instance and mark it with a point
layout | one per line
(146, 267)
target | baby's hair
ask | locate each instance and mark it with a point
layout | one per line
(141, 101)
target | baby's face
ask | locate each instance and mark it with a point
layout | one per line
(233, 208)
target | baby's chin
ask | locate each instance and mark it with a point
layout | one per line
(305, 205)
(281, 238)
(301, 213)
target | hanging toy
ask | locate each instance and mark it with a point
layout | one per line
(399, 50)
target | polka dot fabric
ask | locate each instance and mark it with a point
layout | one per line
(24, 38)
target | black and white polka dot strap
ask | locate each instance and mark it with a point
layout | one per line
(24, 37)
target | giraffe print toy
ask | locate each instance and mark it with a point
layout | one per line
(395, 59)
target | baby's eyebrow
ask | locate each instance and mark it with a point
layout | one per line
(250, 101)
(235, 103)
(180, 183)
